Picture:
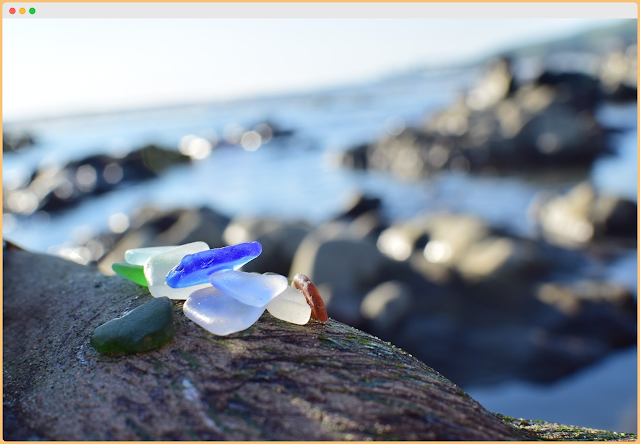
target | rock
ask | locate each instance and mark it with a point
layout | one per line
(496, 84)
(251, 289)
(16, 141)
(368, 226)
(446, 247)
(339, 262)
(219, 313)
(58, 188)
(279, 240)
(386, 305)
(582, 216)
(145, 328)
(358, 205)
(341, 267)
(549, 431)
(196, 267)
(618, 74)
(401, 239)
(602, 310)
(150, 227)
(291, 306)
(157, 267)
(498, 258)
(203, 224)
(257, 385)
(501, 125)
(135, 273)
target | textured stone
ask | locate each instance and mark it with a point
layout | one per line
(219, 313)
(195, 269)
(142, 329)
(157, 267)
(134, 273)
(249, 288)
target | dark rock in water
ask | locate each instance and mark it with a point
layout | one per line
(360, 204)
(476, 292)
(618, 74)
(275, 381)
(16, 141)
(53, 189)
(499, 125)
(145, 328)
(582, 216)
(387, 305)
(600, 309)
(150, 227)
(581, 91)
(279, 241)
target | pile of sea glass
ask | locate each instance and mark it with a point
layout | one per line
(218, 297)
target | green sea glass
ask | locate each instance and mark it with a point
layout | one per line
(134, 273)
(144, 328)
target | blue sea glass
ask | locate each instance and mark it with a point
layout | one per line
(195, 269)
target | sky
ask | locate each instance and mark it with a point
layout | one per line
(66, 66)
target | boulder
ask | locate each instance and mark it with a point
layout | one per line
(279, 241)
(582, 216)
(150, 227)
(274, 381)
(386, 305)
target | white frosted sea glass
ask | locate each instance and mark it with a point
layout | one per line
(138, 256)
(290, 306)
(157, 267)
(219, 313)
(249, 288)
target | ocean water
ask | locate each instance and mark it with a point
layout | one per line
(297, 178)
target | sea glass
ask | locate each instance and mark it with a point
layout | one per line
(249, 288)
(219, 313)
(134, 273)
(291, 306)
(157, 267)
(138, 256)
(195, 269)
(310, 291)
(144, 328)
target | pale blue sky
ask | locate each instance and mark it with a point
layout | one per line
(59, 66)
